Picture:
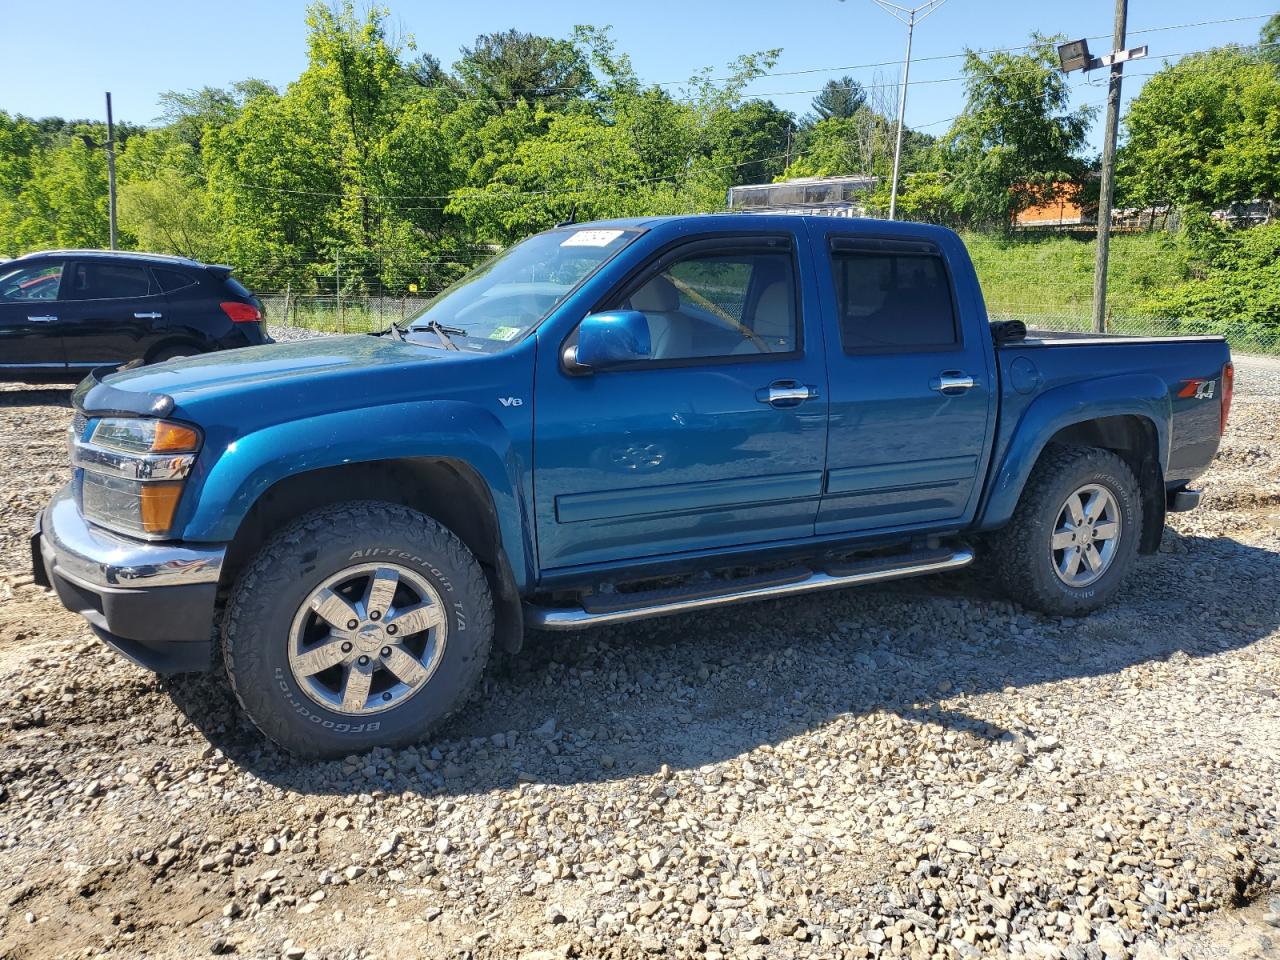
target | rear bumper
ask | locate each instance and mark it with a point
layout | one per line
(152, 602)
(1180, 501)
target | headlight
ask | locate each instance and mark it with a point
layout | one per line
(134, 471)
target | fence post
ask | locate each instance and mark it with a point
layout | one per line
(288, 287)
(337, 288)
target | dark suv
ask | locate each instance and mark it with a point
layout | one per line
(64, 312)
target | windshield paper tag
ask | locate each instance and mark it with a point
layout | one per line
(591, 238)
(504, 333)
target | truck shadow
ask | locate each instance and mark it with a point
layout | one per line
(694, 690)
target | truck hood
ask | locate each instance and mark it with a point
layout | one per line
(278, 369)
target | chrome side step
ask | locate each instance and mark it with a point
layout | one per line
(869, 571)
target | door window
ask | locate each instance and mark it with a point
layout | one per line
(36, 282)
(719, 301)
(893, 302)
(102, 281)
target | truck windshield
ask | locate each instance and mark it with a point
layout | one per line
(497, 303)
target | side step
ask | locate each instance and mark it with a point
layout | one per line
(600, 610)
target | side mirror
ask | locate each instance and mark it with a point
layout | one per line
(608, 339)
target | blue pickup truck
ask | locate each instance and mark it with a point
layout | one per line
(608, 422)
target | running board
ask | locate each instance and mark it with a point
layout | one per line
(847, 575)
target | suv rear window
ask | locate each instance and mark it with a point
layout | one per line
(893, 301)
(102, 281)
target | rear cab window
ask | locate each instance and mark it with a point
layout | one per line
(893, 297)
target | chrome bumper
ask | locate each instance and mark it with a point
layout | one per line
(153, 602)
(94, 557)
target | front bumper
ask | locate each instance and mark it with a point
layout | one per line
(153, 602)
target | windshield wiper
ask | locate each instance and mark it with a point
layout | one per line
(441, 331)
(395, 331)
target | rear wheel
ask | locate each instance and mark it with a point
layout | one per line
(1074, 536)
(171, 353)
(364, 624)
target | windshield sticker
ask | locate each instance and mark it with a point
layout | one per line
(504, 333)
(591, 238)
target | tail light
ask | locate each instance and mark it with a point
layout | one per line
(1228, 387)
(241, 312)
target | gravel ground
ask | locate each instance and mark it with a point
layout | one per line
(924, 771)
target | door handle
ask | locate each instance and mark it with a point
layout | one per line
(786, 393)
(48, 319)
(147, 316)
(952, 382)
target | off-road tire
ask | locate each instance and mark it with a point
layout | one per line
(1021, 552)
(270, 591)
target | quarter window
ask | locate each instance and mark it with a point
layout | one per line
(101, 281)
(30, 283)
(171, 280)
(893, 302)
(719, 302)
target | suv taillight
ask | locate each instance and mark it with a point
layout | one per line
(241, 312)
(1228, 387)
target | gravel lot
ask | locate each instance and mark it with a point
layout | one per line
(924, 771)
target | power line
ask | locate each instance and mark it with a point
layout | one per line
(534, 94)
(898, 62)
(481, 193)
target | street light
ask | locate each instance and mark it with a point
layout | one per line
(1074, 55)
(910, 16)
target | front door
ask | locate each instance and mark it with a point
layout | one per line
(29, 336)
(112, 312)
(910, 391)
(716, 439)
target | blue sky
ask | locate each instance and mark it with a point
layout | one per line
(57, 59)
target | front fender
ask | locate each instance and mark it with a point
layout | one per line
(1136, 395)
(224, 489)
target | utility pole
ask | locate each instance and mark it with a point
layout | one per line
(110, 147)
(1075, 56)
(111, 171)
(1106, 194)
(910, 16)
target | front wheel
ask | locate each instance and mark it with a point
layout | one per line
(360, 625)
(1074, 535)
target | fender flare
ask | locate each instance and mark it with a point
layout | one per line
(225, 489)
(1134, 395)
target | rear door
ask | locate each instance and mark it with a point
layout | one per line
(112, 311)
(717, 439)
(29, 336)
(911, 397)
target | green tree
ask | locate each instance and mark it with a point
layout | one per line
(512, 65)
(1204, 133)
(186, 114)
(839, 99)
(1017, 142)
(1269, 40)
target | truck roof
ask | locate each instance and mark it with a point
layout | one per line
(866, 225)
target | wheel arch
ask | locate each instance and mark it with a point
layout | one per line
(446, 489)
(179, 341)
(1127, 415)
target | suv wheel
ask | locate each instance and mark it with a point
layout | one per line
(360, 625)
(1074, 535)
